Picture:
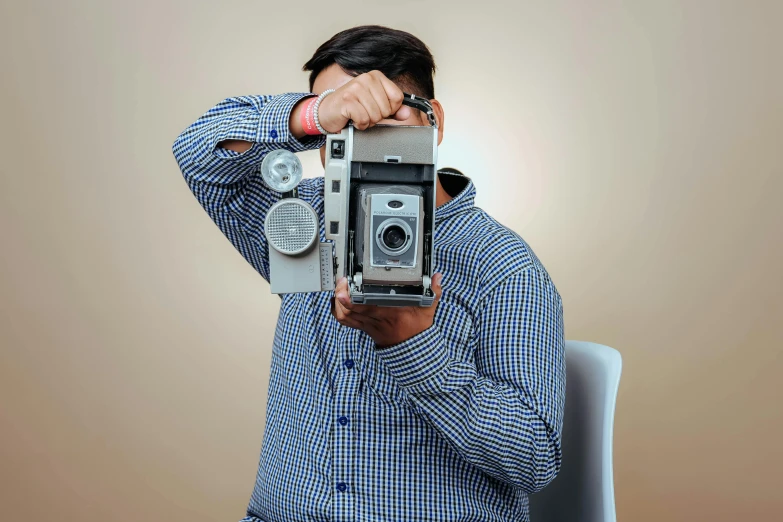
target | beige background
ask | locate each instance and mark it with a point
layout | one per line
(637, 146)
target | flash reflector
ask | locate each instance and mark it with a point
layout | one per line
(291, 226)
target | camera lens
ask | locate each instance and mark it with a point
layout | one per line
(394, 237)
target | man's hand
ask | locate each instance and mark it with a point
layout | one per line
(365, 99)
(387, 325)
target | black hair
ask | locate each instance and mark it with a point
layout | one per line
(402, 57)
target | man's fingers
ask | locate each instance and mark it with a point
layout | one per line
(366, 98)
(393, 93)
(361, 312)
(342, 285)
(403, 114)
(358, 113)
(395, 96)
(381, 98)
(365, 314)
(369, 313)
(437, 289)
(339, 313)
(342, 297)
(437, 285)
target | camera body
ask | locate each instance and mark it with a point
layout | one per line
(395, 226)
(379, 210)
(379, 207)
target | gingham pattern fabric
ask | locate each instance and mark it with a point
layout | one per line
(458, 423)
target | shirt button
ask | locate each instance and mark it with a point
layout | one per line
(343, 420)
(341, 487)
(349, 363)
(273, 134)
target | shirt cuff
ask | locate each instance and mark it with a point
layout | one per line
(275, 117)
(267, 123)
(420, 365)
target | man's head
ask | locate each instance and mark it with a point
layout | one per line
(400, 56)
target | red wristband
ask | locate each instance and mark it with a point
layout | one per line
(307, 118)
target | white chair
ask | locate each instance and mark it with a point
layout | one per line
(583, 491)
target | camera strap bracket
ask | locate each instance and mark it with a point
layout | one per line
(423, 104)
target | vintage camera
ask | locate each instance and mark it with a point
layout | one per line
(379, 208)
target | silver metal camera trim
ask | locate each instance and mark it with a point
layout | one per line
(389, 252)
(336, 203)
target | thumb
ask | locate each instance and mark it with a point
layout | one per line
(403, 113)
(437, 288)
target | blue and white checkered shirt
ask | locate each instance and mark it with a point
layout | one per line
(458, 423)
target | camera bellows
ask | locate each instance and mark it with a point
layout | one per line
(291, 226)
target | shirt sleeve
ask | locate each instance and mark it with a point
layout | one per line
(502, 411)
(228, 184)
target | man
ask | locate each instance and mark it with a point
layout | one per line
(452, 412)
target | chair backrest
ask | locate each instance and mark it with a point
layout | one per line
(583, 491)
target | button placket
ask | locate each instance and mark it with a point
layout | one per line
(346, 388)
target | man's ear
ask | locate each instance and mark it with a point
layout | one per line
(437, 108)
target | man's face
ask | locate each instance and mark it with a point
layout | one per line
(333, 77)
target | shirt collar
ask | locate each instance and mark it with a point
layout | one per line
(462, 202)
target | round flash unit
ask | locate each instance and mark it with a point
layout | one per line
(291, 226)
(281, 170)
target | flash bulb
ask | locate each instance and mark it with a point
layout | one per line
(281, 170)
